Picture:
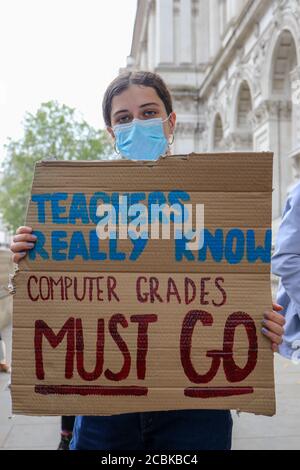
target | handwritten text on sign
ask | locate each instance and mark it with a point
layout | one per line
(142, 324)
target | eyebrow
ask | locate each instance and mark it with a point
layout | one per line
(148, 104)
(142, 106)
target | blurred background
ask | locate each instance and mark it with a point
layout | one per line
(233, 67)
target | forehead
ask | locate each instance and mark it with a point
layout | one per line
(134, 97)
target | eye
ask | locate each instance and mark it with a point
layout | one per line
(150, 113)
(124, 119)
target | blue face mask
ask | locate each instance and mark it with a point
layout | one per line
(141, 139)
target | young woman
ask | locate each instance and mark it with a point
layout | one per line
(138, 113)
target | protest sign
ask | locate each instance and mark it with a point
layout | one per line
(105, 326)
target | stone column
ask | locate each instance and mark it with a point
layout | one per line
(185, 32)
(151, 35)
(214, 27)
(164, 32)
(144, 56)
(202, 33)
(272, 132)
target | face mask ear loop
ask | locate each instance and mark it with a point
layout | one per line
(173, 137)
(170, 143)
(116, 149)
(115, 145)
(165, 120)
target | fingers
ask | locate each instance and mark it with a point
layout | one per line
(273, 323)
(277, 307)
(272, 336)
(23, 229)
(24, 237)
(21, 246)
(273, 327)
(22, 242)
(20, 250)
(275, 317)
(18, 256)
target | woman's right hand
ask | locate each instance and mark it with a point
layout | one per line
(23, 241)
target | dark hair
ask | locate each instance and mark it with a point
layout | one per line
(124, 80)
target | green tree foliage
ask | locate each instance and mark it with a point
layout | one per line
(54, 131)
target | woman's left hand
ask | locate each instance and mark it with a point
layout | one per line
(273, 323)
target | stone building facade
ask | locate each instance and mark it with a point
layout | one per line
(233, 67)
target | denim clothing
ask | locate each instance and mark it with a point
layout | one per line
(155, 430)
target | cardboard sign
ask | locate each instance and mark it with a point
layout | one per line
(118, 325)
